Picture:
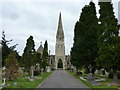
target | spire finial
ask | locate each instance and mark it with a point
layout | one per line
(60, 13)
(60, 18)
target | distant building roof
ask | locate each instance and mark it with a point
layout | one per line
(40, 49)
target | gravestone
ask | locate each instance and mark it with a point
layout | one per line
(20, 72)
(42, 70)
(96, 71)
(48, 69)
(106, 73)
(38, 67)
(4, 81)
(74, 69)
(100, 72)
(90, 77)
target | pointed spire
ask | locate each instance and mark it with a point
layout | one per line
(60, 28)
(60, 19)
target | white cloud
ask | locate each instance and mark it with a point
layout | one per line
(20, 19)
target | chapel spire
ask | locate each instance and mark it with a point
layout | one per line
(60, 27)
(60, 46)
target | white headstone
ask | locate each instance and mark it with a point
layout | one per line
(42, 70)
(4, 79)
(74, 70)
(48, 69)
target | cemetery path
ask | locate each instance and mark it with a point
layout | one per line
(62, 79)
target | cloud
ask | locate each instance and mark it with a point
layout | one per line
(40, 19)
(8, 11)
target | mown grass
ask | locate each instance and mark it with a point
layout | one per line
(103, 86)
(25, 83)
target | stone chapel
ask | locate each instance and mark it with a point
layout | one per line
(59, 60)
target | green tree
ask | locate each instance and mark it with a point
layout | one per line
(6, 50)
(12, 66)
(17, 56)
(74, 49)
(108, 41)
(38, 60)
(84, 50)
(28, 58)
(45, 56)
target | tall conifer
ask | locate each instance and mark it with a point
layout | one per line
(28, 57)
(6, 50)
(109, 41)
(45, 55)
(84, 50)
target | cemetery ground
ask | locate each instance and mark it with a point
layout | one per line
(103, 85)
(62, 79)
(24, 81)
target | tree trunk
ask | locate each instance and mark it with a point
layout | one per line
(115, 77)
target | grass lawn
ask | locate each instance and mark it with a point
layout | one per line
(103, 85)
(25, 83)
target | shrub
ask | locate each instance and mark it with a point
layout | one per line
(110, 75)
(68, 68)
(52, 69)
(20, 73)
(86, 71)
(36, 72)
(12, 65)
(79, 73)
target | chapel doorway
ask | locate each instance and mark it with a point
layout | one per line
(60, 64)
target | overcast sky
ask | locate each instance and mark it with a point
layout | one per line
(40, 19)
